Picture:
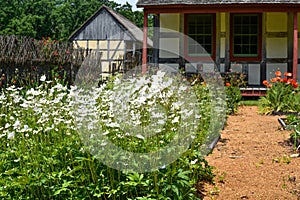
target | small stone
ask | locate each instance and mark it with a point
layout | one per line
(294, 155)
(234, 157)
(292, 178)
(244, 197)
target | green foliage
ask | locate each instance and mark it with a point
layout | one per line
(291, 119)
(42, 156)
(233, 82)
(233, 97)
(282, 96)
(293, 123)
(57, 19)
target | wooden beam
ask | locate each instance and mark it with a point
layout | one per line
(263, 65)
(211, 8)
(227, 42)
(169, 35)
(217, 40)
(276, 34)
(144, 59)
(295, 52)
(156, 36)
(290, 44)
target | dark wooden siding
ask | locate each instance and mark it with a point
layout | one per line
(103, 27)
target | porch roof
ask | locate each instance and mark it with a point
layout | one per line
(142, 3)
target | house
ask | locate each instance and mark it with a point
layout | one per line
(115, 39)
(252, 37)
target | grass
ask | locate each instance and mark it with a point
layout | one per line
(249, 101)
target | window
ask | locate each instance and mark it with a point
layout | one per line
(200, 29)
(245, 37)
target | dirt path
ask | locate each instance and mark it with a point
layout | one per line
(252, 160)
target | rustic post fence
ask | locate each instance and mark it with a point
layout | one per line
(27, 59)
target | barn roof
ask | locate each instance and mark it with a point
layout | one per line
(130, 29)
(142, 3)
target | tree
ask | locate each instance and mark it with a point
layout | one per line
(57, 19)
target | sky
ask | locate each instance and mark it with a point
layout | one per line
(131, 2)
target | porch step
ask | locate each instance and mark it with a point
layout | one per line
(253, 91)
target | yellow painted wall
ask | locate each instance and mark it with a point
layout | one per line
(222, 29)
(170, 21)
(277, 47)
(223, 22)
(298, 20)
(276, 22)
(81, 44)
(92, 44)
(117, 50)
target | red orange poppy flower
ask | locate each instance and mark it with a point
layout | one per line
(288, 74)
(284, 80)
(289, 81)
(273, 80)
(265, 82)
(278, 73)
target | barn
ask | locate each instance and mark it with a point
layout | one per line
(111, 36)
(251, 37)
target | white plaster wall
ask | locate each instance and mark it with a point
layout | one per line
(172, 67)
(199, 67)
(191, 67)
(222, 47)
(222, 67)
(276, 47)
(169, 47)
(254, 74)
(273, 67)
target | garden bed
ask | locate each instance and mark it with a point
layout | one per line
(284, 122)
(285, 113)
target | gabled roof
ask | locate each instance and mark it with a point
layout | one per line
(142, 3)
(129, 28)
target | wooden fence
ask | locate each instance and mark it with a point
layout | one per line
(27, 59)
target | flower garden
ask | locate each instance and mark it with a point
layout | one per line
(45, 156)
(283, 98)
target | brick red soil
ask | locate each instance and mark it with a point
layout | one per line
(252, 160)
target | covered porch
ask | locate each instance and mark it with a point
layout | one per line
(252, 38)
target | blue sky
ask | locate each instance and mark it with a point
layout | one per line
(131, 2)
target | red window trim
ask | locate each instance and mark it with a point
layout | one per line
(259, 56)
(199, 58)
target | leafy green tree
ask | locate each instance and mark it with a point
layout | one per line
(57, 19)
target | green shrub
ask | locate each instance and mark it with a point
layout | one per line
(233, 97)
